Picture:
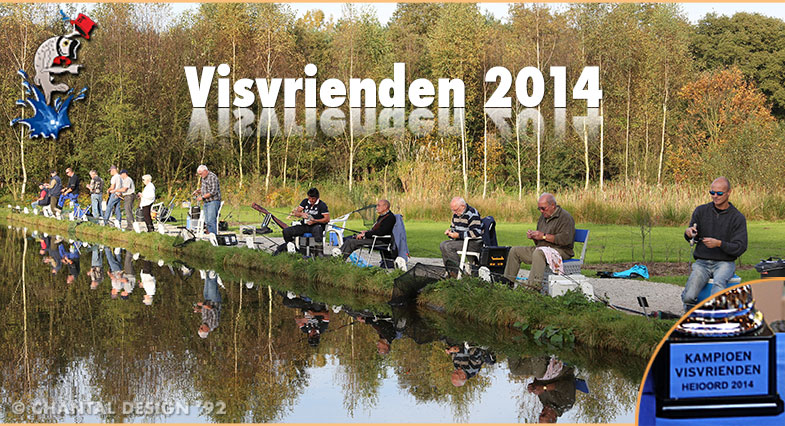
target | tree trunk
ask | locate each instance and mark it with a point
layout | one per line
(518, 157)
(627, 132)
(463, 156)
(586, 152)
(664, 115)
(269, 143)
(484, 147)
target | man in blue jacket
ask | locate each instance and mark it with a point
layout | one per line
(719, 232)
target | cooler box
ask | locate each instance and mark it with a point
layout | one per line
(558, 285)
(706, 292)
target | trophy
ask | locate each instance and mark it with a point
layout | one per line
(720, 361)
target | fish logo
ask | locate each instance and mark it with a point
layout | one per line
(54, 56)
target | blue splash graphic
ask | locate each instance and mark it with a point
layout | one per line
(47, 121)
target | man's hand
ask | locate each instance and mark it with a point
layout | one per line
(450, 233)
(199, 198)
(692, 231)
(534, 235)
(711, 242)
(361, 235)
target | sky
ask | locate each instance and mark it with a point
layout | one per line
(695, 11)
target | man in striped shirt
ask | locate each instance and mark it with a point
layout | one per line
(466, 223)
(210, 193)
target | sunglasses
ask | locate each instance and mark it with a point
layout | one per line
(719, 193)
(542, 209)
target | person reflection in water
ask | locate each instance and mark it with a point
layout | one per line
(147, 282)
(71, 259)
(96, 272)
(315, 316)
(555, 389)
(467, 360)
(115, 272)
(210, 308)
(385, 327)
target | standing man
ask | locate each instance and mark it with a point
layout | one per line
(719, 232)
(113, 205)
(127, 191)
(210, 193)
(96, 187)
(72, 190)
(466, 223)
(55, 188)
(555, 229)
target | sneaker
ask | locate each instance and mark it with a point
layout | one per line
(336, 252)
(290, 247)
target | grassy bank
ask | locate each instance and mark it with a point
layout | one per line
(591, 324)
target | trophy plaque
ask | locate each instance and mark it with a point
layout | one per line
(719, 362)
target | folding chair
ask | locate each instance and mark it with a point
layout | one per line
(333, 231)
(488, 238)
(388, 244)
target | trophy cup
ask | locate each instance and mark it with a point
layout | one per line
(719, 362)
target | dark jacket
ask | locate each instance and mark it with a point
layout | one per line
(728, 226)
(383, 226)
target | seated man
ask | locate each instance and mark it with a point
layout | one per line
(555, 229)
(719, 232)
(466, 223)
(383, 226)
(71, 191)
(314, 215)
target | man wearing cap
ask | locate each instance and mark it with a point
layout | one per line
(113, 205)
(127, 191)
(96, 187)
(210, 193)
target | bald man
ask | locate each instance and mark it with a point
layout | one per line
(719, 232)
(466, 223)
(555, 229)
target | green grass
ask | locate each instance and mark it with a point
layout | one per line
(607, 243)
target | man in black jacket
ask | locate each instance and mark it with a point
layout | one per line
(383, 227)
(719, 232)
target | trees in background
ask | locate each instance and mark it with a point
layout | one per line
(654, 123)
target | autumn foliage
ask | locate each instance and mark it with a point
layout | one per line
(726, 128)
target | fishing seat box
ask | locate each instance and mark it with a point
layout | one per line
(771, 268)
(494, 258)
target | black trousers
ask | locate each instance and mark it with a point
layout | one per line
(317, 230)
(148, 218)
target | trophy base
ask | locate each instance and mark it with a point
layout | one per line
(741, 406)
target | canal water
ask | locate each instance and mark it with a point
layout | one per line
(94, 333)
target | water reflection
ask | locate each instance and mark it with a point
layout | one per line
(267, 351)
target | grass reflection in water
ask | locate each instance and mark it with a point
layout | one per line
(133, 332)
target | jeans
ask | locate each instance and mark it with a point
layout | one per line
(211, 216)
(70, 196)
(210, 291)
(95, 205)
(702, 271)
(113, 206)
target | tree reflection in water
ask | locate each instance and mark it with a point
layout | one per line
(264, 344)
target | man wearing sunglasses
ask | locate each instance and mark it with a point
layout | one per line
(555, 229)
(719, 232)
